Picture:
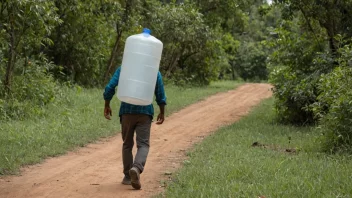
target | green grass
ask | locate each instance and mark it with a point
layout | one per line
(75, 122)
(226, 165)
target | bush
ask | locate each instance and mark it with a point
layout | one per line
(293, 95)
(30, 91)
(336, 96)
(334, 106)
(295, 80)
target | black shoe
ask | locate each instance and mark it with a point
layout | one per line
(134, 174)
(126, 181)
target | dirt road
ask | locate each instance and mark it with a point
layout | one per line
(96, 170)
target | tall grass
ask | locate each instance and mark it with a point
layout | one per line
(76, 121)
(227, 165)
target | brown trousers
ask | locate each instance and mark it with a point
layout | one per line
(130, 123)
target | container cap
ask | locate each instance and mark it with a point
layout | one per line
(147, 31)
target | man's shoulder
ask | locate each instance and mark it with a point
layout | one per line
(159, 74)
(118, 70)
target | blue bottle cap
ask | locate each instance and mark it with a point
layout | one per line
(147, 31)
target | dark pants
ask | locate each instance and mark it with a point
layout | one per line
(130, 123)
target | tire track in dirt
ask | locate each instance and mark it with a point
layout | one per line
(96, 170)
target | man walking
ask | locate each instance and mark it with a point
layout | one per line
(135, 118)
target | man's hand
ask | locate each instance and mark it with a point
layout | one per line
(107, 110)
(107, 113)
(160, 119)
(161, 116)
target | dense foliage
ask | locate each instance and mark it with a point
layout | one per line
(301, 46)
(311, 68)
(46, 43)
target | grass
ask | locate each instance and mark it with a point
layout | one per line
(76, 121)
(226, 165)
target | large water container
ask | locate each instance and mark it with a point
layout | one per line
(139, 69)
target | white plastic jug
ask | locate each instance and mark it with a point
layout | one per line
(139, 69)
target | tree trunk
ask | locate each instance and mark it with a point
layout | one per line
(309, 24)
(113, 57)
(172, 65)
(119, 31)
(332, 44)
(9, 71)
(12, 58)
(233, 70)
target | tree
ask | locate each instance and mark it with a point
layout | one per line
(82, 41)
(25, 27)
(333, 15)
(191, 52)
(125, 18)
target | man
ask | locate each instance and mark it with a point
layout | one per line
(135, 118)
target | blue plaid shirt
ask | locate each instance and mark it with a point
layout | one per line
(136, 109)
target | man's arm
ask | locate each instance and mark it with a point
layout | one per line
(110, 92)
(160, 98)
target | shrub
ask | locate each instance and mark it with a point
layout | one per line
(298, 64)
(334, 106)
(31, 91)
